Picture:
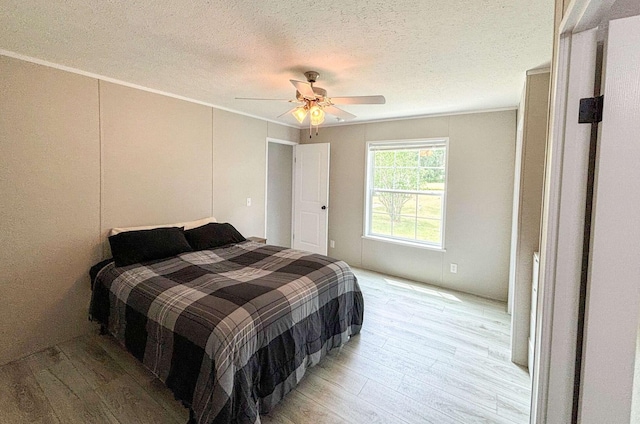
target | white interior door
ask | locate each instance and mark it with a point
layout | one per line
(311, 197)
(613, 295)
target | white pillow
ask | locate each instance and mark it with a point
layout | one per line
(197, 223)
(187, 226)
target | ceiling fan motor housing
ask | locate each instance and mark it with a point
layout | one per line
(312, 76)
(320, 93)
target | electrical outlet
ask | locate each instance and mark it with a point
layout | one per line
(248, 201)
(453, 268)
(332, 244)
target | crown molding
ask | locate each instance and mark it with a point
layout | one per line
(48, 64)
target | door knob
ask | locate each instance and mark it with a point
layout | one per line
(323, 208)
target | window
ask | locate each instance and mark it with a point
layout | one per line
(406, 189)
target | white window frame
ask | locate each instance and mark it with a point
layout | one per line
(368, 186)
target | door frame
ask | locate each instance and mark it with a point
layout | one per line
(552, 397)
(293, 145)
(561, 252)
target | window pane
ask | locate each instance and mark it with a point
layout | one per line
(431, 179)
(381, 202)
(404, 227)
(406, 179)
(406, 204)
(383, 178)
(432, 157)
(406, 158)
(391, 203)
(383, 158)
(381, 224)
(429, 206)
(429, 230)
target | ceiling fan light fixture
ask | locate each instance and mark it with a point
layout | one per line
(300, 113)
(315, 102)
(316, 114)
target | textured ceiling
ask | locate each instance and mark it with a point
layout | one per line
(424, 56)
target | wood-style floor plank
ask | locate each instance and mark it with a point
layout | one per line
(424, 355)
(125, 360)
(403, 364)
(276, 418)
(130, 403)
(465, 409)
(503, 386)
(91, 360)
(70, 404)
(339, 375)
(351, 408)
(21, 398)
(298, 408)
(515, 411)
(159, 392)
(365, 366)
(405, 407)
(144, 378)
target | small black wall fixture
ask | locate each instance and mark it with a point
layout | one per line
(590, 110)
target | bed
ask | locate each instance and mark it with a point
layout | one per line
(230, 330)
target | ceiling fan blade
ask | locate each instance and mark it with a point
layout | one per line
(254, 98)
(288, 112)
(342, 114)
(304, 88)
(358, 100)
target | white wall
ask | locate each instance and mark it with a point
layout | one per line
(156, 159)
(239, 169)
(79, 156)
(49, 204)
(479, 200)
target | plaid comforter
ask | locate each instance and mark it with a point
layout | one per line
(232, 330)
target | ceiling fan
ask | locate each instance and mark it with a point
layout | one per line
(313, 101)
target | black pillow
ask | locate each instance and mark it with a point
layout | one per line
(132, 247)
(213, 235)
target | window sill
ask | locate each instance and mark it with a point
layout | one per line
(405, 243)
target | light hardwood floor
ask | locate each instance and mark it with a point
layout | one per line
(425, 355)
